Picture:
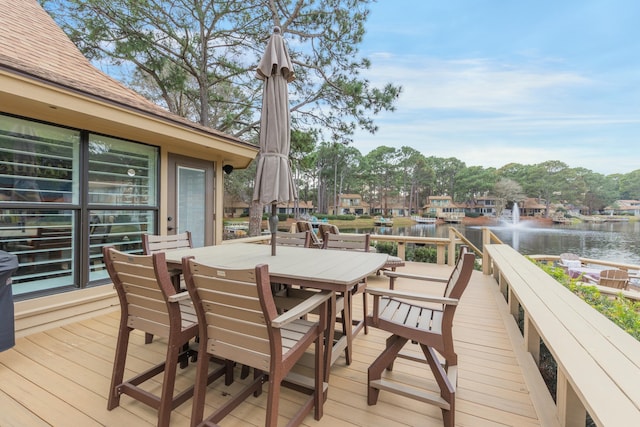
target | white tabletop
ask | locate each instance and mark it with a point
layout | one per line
(319, 268)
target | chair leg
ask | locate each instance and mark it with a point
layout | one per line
(166, 395)
(272, 402)
(118, 366)
(319, 376)
(148, 338)
(200, 387)
(386, 358)
(447, 390)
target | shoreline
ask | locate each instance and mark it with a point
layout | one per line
(407, 221)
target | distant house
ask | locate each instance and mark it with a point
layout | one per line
(234, 208)
(394, 206)
(624, 207)
(304, 208)
(443, 207)
(533, 207)
(485, 206)
(86, 162)
(351, 204)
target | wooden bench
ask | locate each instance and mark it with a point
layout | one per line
(598, 363)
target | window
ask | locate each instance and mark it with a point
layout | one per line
(54, 221)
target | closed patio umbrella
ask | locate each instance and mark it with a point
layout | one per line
(274, 182)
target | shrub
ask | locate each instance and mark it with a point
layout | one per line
(390, 248)
(622, 311)
(422, 254)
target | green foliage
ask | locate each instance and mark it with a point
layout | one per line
(390, 248)
(336, 217)
(422, 254)
(198, 58)
(622, 311)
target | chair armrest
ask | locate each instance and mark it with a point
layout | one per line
(411, 295)
(395, 275)
(588, 280)
(305, 307)
(181, 296)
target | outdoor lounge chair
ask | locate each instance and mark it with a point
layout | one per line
(301, 239)
(613, 278)
(569, 260)
(406, 316)
(302, 226)
(324, 228)
(150, 303)
(239, 322)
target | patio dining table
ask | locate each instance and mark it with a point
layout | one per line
(333, 270)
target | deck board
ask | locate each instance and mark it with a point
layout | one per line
(60, 377)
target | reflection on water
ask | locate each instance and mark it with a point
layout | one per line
(614, 241)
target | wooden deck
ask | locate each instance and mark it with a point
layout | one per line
(60, 377)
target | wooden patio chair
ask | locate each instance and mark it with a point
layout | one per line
(301, 239)
(392, 263)
(152, 243)
(301, 226)
(408, 318)
(613, 278)
(351, 242)
(239, 322)
(150, 303)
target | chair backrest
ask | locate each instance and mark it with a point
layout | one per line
(143, 285)
(301, 239)
(459, 278)
(153, 243)
(618, 279)
(327, 228)
(237, 308)
(353, 242)
(306, 226)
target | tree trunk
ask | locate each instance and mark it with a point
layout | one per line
(255, 219)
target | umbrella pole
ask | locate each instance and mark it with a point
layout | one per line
(273, 225)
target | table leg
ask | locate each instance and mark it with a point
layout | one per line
(348, 326)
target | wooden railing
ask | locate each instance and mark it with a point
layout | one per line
(598, 369)
(445, 246)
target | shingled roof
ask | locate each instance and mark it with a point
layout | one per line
(32, 46)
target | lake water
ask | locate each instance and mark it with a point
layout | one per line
(609, 241)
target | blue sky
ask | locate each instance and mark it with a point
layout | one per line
(491, 82)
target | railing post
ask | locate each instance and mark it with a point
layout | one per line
(451, 256)
(440, 249)
(486, 259)
(531, 338)
(571, 411)
(401, 251)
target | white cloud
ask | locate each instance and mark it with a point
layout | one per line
(489, 114)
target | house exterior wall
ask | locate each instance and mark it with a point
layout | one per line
(74, 117)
